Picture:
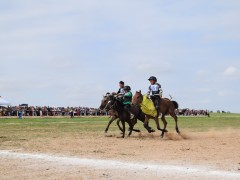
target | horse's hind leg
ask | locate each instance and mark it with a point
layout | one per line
(176, 121)
(110, 122)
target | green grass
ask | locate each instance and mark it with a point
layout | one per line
(35, 132)
(40, 127)
(216, 121)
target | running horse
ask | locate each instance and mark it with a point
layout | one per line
(166, 106)
(110, 102)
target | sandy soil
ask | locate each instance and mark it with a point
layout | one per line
(195, 155)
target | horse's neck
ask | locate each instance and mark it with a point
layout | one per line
(117, 106)
(141, 97)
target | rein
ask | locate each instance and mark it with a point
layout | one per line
(111, 107)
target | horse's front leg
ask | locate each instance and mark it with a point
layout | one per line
(131, 129)
(123, 123)
(118, 121)
(133, 121)
(110, 122)
(145, 124)
(157, 123)
(165, 125)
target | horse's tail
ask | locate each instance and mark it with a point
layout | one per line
(175, 104)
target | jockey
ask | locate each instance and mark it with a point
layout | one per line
(121, 89)
(154, 92)
(126, 98)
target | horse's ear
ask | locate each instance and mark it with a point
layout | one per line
(139, 91)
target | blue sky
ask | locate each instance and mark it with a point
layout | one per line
(62, 53)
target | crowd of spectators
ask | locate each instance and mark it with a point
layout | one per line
(25, 110)
(192, 112)
(50, 111)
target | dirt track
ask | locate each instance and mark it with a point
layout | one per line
(198, 153)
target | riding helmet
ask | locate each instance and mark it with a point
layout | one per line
(153, 78)
(128, 88)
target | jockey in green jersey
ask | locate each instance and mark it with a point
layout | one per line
(127, 97)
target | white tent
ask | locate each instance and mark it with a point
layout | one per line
(4, 102)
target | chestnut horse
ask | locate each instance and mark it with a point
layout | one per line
(166, 106)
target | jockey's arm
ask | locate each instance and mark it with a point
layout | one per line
(160, 92)
(119, 96)
(149, 92)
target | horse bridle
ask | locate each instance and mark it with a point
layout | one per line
(111, 107)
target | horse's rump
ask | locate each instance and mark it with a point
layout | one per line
(175, 104)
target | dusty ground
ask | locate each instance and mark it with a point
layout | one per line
(198, 153)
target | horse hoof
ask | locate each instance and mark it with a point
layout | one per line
(151, 131)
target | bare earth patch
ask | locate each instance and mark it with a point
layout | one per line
(198, 155)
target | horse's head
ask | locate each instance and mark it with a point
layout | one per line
(137, 98)
(106, 102)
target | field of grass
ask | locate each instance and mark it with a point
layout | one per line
(84, 137)
(41, 127)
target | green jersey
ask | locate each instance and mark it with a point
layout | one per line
(127, 98)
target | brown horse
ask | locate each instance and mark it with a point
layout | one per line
(165, 107)
(110, 102)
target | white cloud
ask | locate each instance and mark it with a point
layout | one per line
(73, 52)
(230, 71)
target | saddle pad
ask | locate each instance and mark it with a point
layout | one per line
(147, 106)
